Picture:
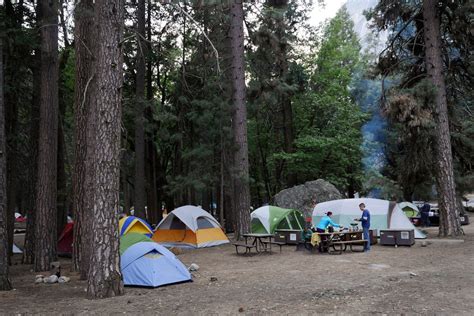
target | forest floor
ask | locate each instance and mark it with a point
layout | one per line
(437, 279)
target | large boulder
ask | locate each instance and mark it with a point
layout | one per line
(305, 196)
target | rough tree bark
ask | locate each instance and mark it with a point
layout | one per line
(239, 121)
(449, 215)
(140, 193)
(12, 22)
(46, 194)
(4, 280)
(83, 34)
(29, 246)
(104, 279)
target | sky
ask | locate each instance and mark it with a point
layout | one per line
(320, 14)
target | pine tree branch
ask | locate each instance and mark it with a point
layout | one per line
(181, 11)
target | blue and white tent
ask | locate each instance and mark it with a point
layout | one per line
(149, 264)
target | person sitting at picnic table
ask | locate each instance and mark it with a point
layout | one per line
(325, 222)
(307, 232)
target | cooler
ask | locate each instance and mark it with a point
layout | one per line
(397, 237)
(288, 236)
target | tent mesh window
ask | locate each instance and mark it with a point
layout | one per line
(283, 224)
(203, 222)
(293, 221)
(176, 223)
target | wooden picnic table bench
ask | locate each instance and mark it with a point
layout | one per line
(277, 243)
(247, 247)
(342, 245)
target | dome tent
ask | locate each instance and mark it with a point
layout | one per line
(266, 219)
(132, 224)
(383, 214)
(145, 263)
(410, 209)
(189, 227)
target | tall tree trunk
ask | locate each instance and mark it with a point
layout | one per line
(84, 80)
(239, 121)
(4, 280)
(105, 279)
(62, 183)
(140, 193)
(46, 195)
(154, 213)
(449, 216)
(11, 117)
(29, 246)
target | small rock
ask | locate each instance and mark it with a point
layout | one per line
(51, 279)
(241, 310)
(393, 279)
(424, 244)
(39, 280)
(63, 279)
(39, 276)
(129, 302)
(213, 279)
(193, 267)
(412, 274)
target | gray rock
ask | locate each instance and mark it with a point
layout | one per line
(193, 267)
(305, 196)
(64, 279)
(51, 279)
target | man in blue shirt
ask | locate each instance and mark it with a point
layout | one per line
(365, 220)
(325, 222)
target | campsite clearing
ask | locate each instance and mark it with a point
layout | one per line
(437, 278)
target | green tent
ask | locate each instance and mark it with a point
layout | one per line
(130, 239)
(410, 209)
(266, 219)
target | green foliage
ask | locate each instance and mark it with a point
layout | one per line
(328, 121)
(408, 105)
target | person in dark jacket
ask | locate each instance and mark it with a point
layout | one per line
(425, 215)
(365, 221)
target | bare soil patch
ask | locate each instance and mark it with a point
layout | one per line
(436, 279)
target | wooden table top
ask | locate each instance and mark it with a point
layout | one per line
(258, 235)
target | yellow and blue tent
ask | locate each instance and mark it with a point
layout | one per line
(132, 224)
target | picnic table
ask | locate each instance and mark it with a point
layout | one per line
(259, 242)
(339, 241)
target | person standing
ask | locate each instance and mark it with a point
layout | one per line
(425, 214)
(365, 220)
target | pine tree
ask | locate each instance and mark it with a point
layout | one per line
(45, 225)
(84, 81)
(104, 278)
(140, 179)
(449, 216)
(4, 279)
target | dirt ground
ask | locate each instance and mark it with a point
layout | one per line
(437, 279)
